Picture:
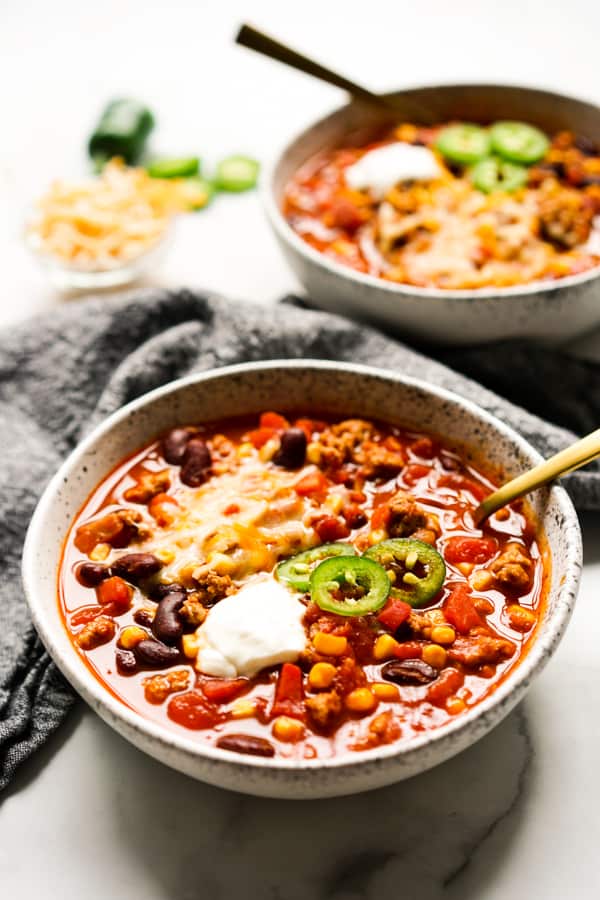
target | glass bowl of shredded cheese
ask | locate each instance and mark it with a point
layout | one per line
(105, 230)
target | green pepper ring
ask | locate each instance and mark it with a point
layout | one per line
(397, 550)
(492, 174)
(519, 142)
(352, 570)
(300, 580)
(464, 143)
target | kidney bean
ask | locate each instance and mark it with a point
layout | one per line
(156, 654)
(134, 567)
(143, 616)
(158, 591)
(246, 743)
(173, 445)
(292, 450)
(586, 145)
(166, 625)
(409, 671)
(126, 661)
(91, 574)
(196, 464)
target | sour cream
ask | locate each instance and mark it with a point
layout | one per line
(259, 626)
(379, 170)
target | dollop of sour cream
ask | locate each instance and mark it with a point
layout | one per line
(259, 626)
(380, 169)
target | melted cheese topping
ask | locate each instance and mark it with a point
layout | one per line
(380, 169)
(259, 626)
(239, 523)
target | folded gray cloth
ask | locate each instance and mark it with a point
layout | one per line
(62, 372)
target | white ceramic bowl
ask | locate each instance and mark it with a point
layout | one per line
(552, 311)
(308, 385)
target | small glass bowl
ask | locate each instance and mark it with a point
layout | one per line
(79, 278)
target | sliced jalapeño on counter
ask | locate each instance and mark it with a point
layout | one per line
(415, 569)
(122, 131)
(237, 173)
(182, 167)
(296, 570)
(349, 586)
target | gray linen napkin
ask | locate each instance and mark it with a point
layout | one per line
(62, 372)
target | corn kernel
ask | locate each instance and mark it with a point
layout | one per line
(502, 514)
(222, 564)
(330, 644)
(242, 708)
(520, 617)
(465, 567)
(189, 645)
(385, 645)
(268, 450)
(412, 558)
(481, 580)
(131, 636)
(361, 700)
(100, 552)
(313, 453)
(244, 450)
(391, 575)
(335, 503)
(379, 534)
(443, 634)
(287, 729)
(410, 578)
(385, 691)
(455, 705)
(434, 655)
(321, 675)
(164, 555)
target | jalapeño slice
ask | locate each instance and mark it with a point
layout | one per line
(296, 570)
(463, 144)
(519, 142)
(349, 585)
(492, 174)
(416, 569)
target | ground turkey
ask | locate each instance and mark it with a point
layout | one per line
(513, 567)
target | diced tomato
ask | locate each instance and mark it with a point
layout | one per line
(381, 517)
(424, 447)
(86, 614)
(310, 426)
(446, 685)
(469, 549)
(259, 437)
(116, 592)
(192, 710)
(408, 650)
(414, 472)
(312, 483)
(289, 692)
(460, 610)
(394, 613)
(273, 420)
(163, 508)
(330, 528)
(345, 214)
(232, 509)
(222, 690)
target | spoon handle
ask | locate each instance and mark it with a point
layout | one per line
(256, 40)
(567, 460)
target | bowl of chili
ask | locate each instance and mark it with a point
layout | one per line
(293, 600)
(492, 231)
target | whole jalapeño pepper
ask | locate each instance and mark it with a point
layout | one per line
(122, 131)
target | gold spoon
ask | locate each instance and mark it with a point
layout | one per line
(256, 40)
(567, 460)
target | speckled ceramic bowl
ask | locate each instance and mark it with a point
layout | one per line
(338, 388)
(552, 311)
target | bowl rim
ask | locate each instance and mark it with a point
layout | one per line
(114, 710)
(287, 234)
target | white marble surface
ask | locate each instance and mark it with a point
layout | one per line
(518, 814)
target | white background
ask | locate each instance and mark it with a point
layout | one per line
(76, 822)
